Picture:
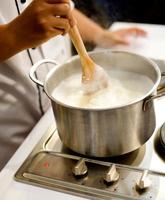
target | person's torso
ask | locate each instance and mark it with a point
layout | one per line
(20, 102)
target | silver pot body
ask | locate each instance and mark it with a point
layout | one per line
(105, 132)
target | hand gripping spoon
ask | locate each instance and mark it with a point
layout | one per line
(94, 77)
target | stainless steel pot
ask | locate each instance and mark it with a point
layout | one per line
(104, 132)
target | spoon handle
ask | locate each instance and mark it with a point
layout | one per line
(87, 63)
(77, 41)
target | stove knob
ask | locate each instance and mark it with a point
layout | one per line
(112, 175)
(144, 181)
(80, 168)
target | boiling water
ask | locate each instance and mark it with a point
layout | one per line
(123, 88)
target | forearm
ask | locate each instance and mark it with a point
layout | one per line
(7, 43)
(89, 30)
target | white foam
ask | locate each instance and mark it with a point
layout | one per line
(123, 88)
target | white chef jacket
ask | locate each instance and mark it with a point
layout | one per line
(20, 102)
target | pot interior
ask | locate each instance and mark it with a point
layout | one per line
(110, 61)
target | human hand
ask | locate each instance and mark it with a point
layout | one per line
(40, 21)
(110, 38)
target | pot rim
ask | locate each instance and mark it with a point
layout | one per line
(154, 88)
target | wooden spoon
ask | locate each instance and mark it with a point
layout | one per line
(94, 77)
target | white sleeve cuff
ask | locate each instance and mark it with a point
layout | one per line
(72, 4)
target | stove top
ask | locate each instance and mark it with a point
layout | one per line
(136, 175)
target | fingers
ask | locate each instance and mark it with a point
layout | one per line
(59, 23)
(56, 31)
(134, 31)
(54, 17)
(61, 9)
(121, 36)
(138, 31)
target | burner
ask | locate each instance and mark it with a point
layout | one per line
(162, 135)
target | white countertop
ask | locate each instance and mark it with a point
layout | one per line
(9, 188)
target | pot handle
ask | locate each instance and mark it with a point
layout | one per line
(160, 93)
(161, 88)
(32, 73)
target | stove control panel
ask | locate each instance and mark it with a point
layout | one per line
(91, 178)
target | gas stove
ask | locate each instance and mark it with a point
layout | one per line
(136, 175)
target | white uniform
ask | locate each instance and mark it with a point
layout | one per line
(20, 102)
